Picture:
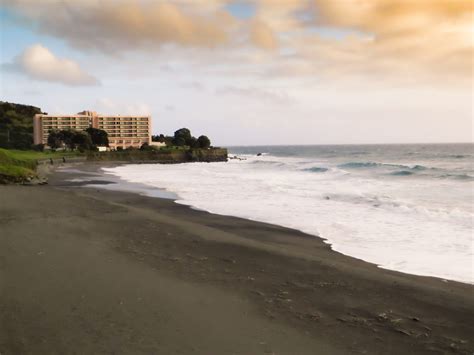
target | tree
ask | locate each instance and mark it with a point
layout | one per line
(16, 125)
(67, 136)
(168, 140)
(99, 137)
(71, 139)
(203, 142)
(192, 142)
(81, 140)
(158, 138)
(182, 137)
(55, 139)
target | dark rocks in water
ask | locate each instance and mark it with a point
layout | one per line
(237, 158)
(259, 154)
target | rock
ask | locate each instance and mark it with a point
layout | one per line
(228, 260)
(403, 331)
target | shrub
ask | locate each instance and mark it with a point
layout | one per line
(203, 142)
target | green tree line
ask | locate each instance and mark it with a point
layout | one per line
(183, 137)
(89, 139)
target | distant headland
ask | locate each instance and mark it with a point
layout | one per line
(30, 137)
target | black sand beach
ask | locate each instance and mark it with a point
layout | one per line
(93, 271)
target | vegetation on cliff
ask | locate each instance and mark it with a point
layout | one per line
(16, 125)
(183, 138)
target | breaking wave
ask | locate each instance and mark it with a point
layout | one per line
(316, 169)
(465, 177)
(402, 173)
(370, 164)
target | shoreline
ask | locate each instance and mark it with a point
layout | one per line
(335, 246)
(247, 275)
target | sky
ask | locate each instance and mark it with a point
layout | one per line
(253, 72)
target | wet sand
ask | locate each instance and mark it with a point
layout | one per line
(87, 270)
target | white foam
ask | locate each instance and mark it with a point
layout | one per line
(415, 226)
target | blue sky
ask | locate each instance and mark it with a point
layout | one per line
(246, 72)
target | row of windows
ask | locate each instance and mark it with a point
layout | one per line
(122, 128)
(66, 122)
(125, 130)
(85, 124)
(128, 135)
(72, 120)
(66, 118)
(125, 133)
(128, 125)
(82, 124)
(100, 118)
(123, 118)
(123, 124)
(121, 141)
(49, 128)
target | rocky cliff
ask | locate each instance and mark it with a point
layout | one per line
(171, 156)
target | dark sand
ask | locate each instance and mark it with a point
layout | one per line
(90, 271)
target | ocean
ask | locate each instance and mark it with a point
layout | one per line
(403, 207)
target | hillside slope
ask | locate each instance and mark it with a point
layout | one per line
(16, 125)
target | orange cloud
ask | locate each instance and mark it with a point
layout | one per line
(422, 30)
(263, 36)
(414, 39)
(389, 39)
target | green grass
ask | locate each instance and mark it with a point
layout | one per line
(28, 155)
(15, 171)
(20, 165)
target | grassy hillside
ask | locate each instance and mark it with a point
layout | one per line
(16, 125)
(14, 168)
(19, 166)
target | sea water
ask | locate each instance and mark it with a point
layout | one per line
(403, 207)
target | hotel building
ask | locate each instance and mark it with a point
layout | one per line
(123, 131)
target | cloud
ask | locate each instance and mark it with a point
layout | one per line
(193, 85)
(400, 36)
(106, 105)
(111, 26)
(40, 63)
(262, 35)
(381, 40)
(389, 17)
(391, 42)
(261, 95)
